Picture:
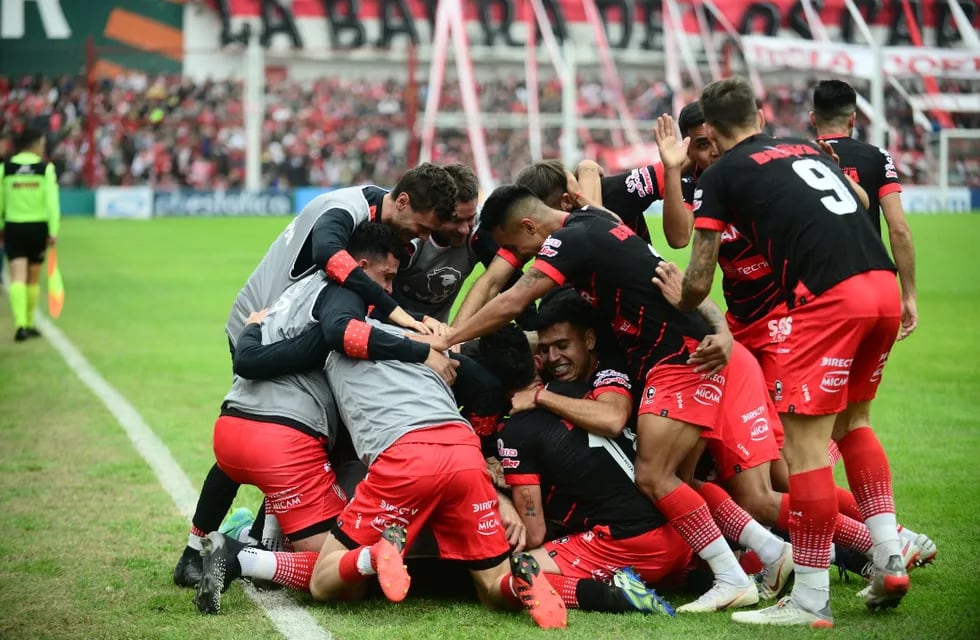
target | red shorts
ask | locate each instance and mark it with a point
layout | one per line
(746, 418)
(290, 467)
(838, 344)
(763, 337)
(596, 555)
(675, 391)
(438, 477)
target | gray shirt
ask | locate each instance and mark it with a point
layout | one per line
(380, 401)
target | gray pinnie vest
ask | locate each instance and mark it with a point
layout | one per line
(305, 398)
(279, 267)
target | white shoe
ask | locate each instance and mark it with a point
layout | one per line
(775, 576)
(787, 612)
(923, 544)
(723, 595)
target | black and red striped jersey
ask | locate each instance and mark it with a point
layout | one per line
(586, 480)
(612, 268)
(871, 167)
(795, 206)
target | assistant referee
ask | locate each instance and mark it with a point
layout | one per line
(30, 214)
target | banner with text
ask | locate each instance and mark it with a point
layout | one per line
(222, 203)
(857, 60)
(928, 199)
(124, 202)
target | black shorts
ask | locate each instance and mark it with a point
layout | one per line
(26, 240)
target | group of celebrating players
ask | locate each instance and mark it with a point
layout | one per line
(643, 434)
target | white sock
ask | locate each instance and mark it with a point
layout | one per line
(884, 534)
(364, 563)
(257, 563)
(723, 562)
(766, 544)
(194, 542)
(811, 588)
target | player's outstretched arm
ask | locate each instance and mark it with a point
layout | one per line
(700, 270)
(678, 220)
(504, 308)
(486, 287)
(903, 250)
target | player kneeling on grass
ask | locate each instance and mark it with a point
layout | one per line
(274, 433)
(614, 525)
(424, 467)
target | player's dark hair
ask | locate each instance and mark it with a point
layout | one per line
(27, 138)
(502, 203)
(467, 184)
(546, 179)
(833, 100)
(689, 118)
(565, 305)
(374, 241)
(728, 104)
(507, 355)
(430, 188)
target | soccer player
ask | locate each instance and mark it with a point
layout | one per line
(833, 116)
(424, 467)
(423, 199)
(843, 313)
(611, 267)
(613, 523)
(30, 216)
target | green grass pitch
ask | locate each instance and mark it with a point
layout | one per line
(89, 539)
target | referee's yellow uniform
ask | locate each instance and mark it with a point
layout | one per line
(30, 213)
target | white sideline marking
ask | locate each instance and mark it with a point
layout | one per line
(291, 620)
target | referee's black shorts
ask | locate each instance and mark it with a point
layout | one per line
(26, 240)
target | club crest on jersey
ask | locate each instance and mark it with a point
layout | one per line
(638, 181)
(443, 283)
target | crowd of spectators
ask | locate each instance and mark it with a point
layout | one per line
(174, 133)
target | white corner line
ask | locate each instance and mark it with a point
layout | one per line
(290, 619)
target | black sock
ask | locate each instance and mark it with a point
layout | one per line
(598, 596)
(256, 531)
(217, 494)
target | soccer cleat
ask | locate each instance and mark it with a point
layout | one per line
(543, 603)
(775, 576)
(33, 333)
(639, 596)
(927, 550)
(386, 555)
(909, 553)
(21, 334)
(888, 585)
(189, 568)
(723, 595)
(785, 613)
(221, 567)
(240, 520)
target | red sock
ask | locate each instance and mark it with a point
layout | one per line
(565, 587)
(847, 505)
(852, 534)
(689, 514)
(867, 472)
(833, 453)
(729, 517)
(348, 567)
(813, 505)
(295, 570)
(509, 592)
(782, 520)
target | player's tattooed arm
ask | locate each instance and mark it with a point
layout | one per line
(700, 271)
(712, 354)
(527, 500)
